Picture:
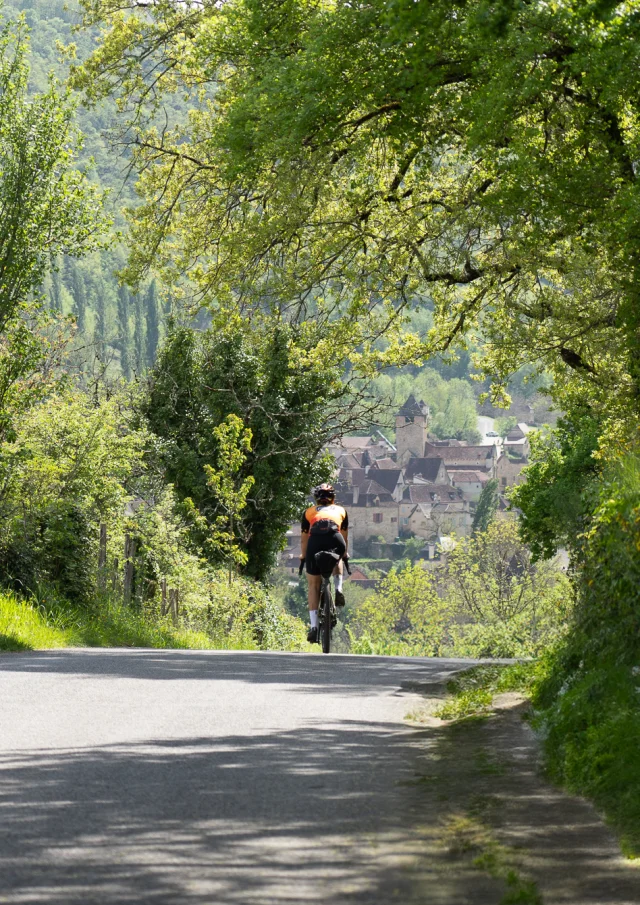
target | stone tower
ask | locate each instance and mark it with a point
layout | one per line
(411, 430)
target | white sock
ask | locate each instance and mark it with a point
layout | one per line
(313, 616)
(337, 580)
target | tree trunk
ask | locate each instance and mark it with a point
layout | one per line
(129, 556)
(102, 559)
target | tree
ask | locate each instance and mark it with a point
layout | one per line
(559, 495)
(268, 377)
(100, 307)
(124, 332)
(79, 298)
(404, 616)
(138, 333)
(56, 290)
(233, 443)
(48, 208)
(486, 507)
(368, 155)
(506, 605)
(64, 473)
(152, 309)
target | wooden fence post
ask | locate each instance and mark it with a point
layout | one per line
(163, 602)
(102, 559)
(129, 555)
(173, 605)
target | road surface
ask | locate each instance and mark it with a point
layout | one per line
(182, 777)
(486, 424)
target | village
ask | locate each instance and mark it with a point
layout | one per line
(421, 487)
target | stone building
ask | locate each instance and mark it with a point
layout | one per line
(411, 430)
(471, 458)
(471, 483)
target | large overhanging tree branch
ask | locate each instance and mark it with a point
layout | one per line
(363, 155)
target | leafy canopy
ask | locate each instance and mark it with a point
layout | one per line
(360, 156)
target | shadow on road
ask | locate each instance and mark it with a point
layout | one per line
(314, 814)
(315, 672)
(354, 811)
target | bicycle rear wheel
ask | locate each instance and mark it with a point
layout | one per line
(326, 620)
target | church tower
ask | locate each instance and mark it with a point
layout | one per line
(411, 430)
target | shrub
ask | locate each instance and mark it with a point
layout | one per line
(589, 697)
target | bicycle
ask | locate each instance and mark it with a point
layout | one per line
(327, 611)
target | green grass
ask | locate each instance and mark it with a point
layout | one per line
(26, 625)
(472, 692)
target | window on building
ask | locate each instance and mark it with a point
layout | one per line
(394, 519)
(404, 521)
(504, 482)
(377, 517)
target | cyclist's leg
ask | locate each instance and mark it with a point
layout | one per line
(314, 582)
(341, 548)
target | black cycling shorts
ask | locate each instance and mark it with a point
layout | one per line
(332, 541)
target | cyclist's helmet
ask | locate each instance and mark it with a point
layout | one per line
(324, 493)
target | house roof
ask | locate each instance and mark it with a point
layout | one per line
(411, 408)
(427, 467)
(469, 455)
(384, 463)
(432, 493)
(468, 477)
(387, 478)
(372, 488)
(352, 443)
(350, 460)
(516, 433)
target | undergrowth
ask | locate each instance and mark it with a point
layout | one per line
(472, 691)
(588, 695)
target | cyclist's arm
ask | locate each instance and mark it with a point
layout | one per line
(344, 529)
(304, 536)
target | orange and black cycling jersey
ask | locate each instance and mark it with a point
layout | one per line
(317, 515)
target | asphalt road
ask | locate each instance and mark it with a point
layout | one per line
(210, 777)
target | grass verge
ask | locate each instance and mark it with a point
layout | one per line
(26, 625)
(472, 692)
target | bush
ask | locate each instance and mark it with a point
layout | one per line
(589, 697)
(490, 600)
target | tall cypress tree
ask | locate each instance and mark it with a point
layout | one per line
(100, 308)
(124, 334)
(56, 290)
(152, 309)
(486, 507)
(78, 291)
(138, 334)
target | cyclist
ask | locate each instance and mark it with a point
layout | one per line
(325, 526)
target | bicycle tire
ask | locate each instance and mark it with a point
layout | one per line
(326, 621)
